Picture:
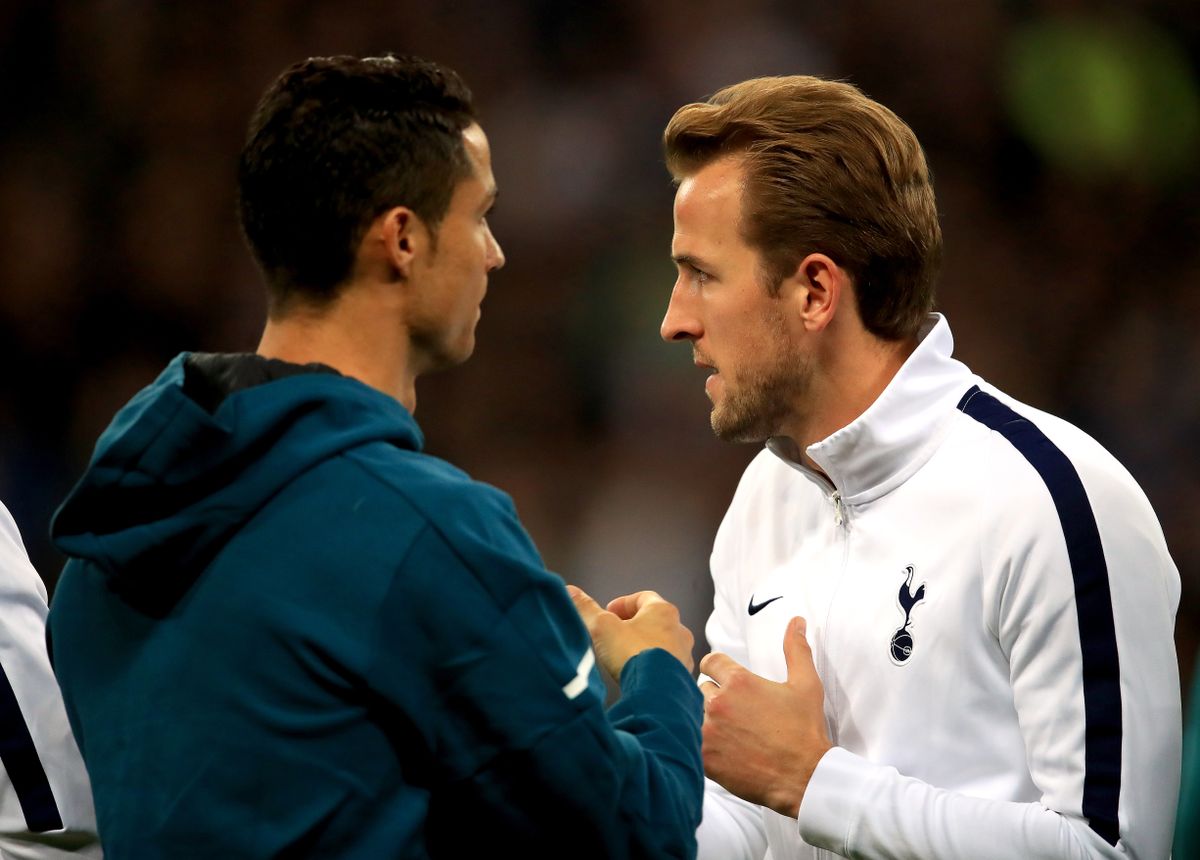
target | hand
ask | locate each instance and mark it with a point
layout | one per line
(630, 625)
(762, 740)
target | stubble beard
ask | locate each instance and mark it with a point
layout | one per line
(763, 397)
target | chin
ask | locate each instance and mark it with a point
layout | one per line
(739, 435)
(743, 428)
(450, 355)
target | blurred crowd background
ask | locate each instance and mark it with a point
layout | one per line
(1064, 139)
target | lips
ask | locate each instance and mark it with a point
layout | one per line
(703, 363)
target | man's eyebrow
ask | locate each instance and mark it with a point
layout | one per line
(489, 199)
(690, 261)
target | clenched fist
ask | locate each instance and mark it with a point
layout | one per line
(630, 625)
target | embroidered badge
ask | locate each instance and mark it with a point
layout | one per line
(902, 641)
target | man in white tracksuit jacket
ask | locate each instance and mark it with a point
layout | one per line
(943, 624)
(46, 810)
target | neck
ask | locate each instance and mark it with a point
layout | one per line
(847, 378)
(357, 335)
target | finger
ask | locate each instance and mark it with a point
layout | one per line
(796, 652)
(629, 605)
(719, 666)
(708, 689)
(589, 610)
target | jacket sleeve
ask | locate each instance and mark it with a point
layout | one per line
(495, 669)
(731, 828)
(45, 798)
(1081, 595)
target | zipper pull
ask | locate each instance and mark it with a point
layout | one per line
(839, 510)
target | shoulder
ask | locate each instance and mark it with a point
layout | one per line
(1048, 480)
(383, 505)
(475, 521)
(1046, 449)
(442, 494)
(17, 575)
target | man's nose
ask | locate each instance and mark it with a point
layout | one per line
(680, 322)
(495, 258)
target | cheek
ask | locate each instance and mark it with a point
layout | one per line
(748, 343)
(735, 332)
(472, 263)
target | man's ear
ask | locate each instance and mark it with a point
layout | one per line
(399, 236)
(818, 287)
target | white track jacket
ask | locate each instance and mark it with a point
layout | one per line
(45, 798)
(990, 605)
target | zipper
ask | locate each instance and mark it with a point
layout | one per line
(842, 527)
(839, 509)
(841, 521)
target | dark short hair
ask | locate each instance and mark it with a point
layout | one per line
(334, 143)
(827, 170)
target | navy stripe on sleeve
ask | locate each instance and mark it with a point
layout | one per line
(1093, 604)
(23, 766)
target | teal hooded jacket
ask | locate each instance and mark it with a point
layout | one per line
(284, 631)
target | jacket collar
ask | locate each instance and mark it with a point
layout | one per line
(899, 432)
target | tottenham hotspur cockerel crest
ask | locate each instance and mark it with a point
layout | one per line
(902, 641)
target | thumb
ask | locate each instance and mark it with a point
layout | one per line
(629, 605)
(589, 610)
(796, 653)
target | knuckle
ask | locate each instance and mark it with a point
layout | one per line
(735, 679)
(716, 705)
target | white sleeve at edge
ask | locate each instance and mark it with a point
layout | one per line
(732, 828)
(859, 809)
(26, 666)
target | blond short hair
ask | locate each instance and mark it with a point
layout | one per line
(831, 171)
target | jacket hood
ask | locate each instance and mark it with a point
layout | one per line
(191, 458)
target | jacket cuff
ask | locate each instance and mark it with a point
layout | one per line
(656, 667)
(832, 802)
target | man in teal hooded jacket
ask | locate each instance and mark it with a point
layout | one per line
(284, 630)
